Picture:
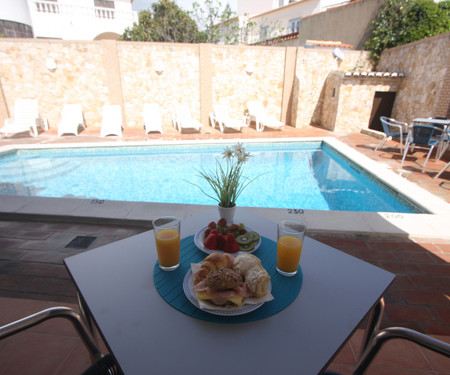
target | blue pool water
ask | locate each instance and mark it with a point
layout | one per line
(303, 175)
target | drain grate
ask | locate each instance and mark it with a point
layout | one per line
(81, 242)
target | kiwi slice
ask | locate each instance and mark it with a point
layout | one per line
(247, 247)
(244, 239)
(253, 235)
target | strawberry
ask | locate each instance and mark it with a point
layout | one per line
(231, 245)
(234, 227)
(214, 231)
(211, 242)
(222, 222)
(220, 241)
(212, 225)
(207, 232)
(242, 231)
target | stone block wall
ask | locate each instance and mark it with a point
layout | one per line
(300, 86)
(425, 90)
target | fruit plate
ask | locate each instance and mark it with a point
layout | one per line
(188, 283)
(199, 237)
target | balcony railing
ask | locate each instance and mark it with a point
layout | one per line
(75, 10)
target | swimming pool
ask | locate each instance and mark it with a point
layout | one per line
(304, 175)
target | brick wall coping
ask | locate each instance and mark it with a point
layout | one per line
(376, 74)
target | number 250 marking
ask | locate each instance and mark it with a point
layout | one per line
(295, 211)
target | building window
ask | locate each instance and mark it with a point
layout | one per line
(281, 3)
(104, 9)
(294, 25)
(264, 32)
(104, 3)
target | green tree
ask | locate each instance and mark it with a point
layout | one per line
(404, 21)
(217, 24)
(165, 22)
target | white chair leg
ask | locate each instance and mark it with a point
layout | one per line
(428, 156)
(406, 153)
(381, 144)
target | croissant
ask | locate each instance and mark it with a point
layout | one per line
(213, 262)
(255, 276)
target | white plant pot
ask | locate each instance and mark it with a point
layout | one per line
(227, 213)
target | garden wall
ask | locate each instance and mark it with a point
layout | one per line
(290, 81)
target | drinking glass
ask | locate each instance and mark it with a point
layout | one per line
(289, 246)
(167, 238)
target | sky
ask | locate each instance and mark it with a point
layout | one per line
(139, 5)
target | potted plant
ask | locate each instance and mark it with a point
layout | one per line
(227, 181)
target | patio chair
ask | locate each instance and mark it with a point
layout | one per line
(387, 334)
(72, 118)
(258, 114)
(393, 129)
(182, 119)
(101, 364)
(111, 121)
(423, 137)
(152, 118)
(222, 118)
(26, 118)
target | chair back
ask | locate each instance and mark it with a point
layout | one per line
(26, 111)
(73, 112)
(112, 113)
(151, 111)
(182, 112)
(221, 112)
(392, 126)
(422, 134)
(255, 108)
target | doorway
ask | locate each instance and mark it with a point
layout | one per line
(383, 102)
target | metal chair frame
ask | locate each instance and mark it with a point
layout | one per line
(423, 137)
(101, 364)
(393, 129)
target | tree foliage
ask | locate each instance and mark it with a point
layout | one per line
(165, 22)
(403, 21)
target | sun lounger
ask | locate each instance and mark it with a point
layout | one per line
(182, 119)
(26, 118)
(152, 118)
(111, 121)
(258, 114)
(221, 117)
(72, 119)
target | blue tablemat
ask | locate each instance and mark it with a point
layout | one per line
(170, 284)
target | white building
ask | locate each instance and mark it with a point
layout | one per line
(274, 18)
(66, 19)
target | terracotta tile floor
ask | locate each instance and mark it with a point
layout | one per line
(32, 276)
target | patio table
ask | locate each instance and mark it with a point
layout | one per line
(445, 128)
(146, 335)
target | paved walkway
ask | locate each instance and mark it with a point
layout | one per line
(32, 276)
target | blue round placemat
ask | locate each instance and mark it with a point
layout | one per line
(170, 284)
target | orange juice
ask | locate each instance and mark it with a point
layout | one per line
(289, 249)
(168, 247)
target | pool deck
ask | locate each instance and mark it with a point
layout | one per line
(32, 276)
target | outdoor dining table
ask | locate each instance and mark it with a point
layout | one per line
(445, 128)
(150, 327)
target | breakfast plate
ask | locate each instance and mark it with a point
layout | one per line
(188, 283)
(199, 237)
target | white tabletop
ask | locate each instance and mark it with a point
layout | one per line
(432, 121)
(147, 336)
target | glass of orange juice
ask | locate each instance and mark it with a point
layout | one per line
(167, 238)
(289, 246)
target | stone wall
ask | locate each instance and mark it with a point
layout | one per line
(300, 86)
(426, 89)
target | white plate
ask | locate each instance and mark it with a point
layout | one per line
(229, 310)
(198, 240)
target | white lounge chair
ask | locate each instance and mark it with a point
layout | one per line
(258, 114)
(221, 117)
(152, 118)
(72, 119)
(26, 118)
(182, 119)
(111, 121)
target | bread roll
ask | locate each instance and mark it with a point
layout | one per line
(213, 262)
(224, 278)
(254, 274)
(244, 262)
